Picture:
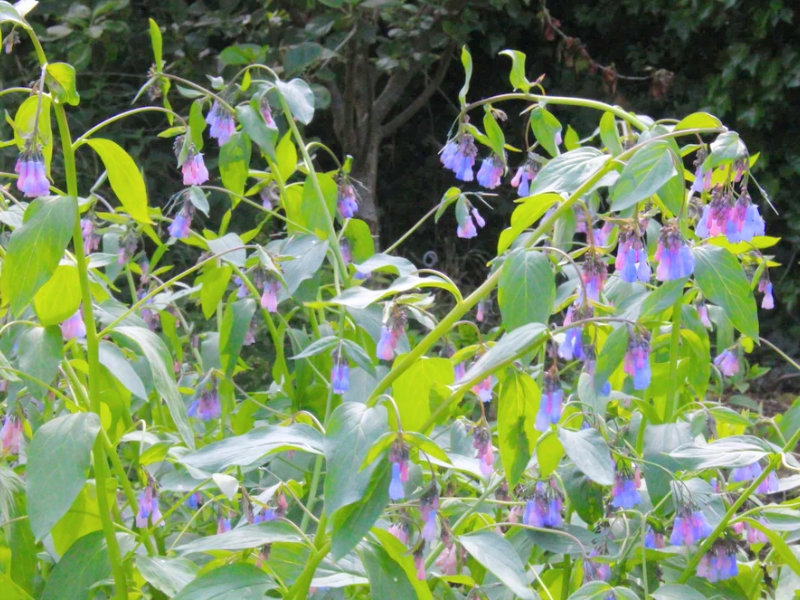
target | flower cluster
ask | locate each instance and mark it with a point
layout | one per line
(206, 406)
(428, 507)
(149, 513)
(398, 457)
(594, 570)
(482, 442)
(690, 527)
(738, 220)
(401, 531)
(221, 123)
(490, 174)
(631, 263)
(392, 330)
(625, 493)
(459, 156)
(654, 540)
(11, 434)
(637, 359)
(550, 404)
(524, 176)
(180, 226)
(32, 174)
(91, 241)
(593, 275)
(572, 345)
(543, 508)
(727, 362)
(719, 563)
(340, 373)
(467, 220)
(770, 484)
(346, 198)
(194, 169)
(675, 259)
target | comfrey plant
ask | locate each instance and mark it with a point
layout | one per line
(292, 416)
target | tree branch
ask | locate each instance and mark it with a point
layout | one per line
(412, 109)
(392, 91)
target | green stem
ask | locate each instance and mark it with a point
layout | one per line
(93, 359)
(408, 233)
(674, 352)
(300, 588)
(135, 111)
(566, 576)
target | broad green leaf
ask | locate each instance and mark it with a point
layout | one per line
(35, 249)
(168, 575)
(646, 172)
(466, 61)
(547, 129)
(498, 556)
(496, 138)
(85, 564)
(517, 74)
(600, 590)
(352, 522)
(778, 543)
(511, 345)
(197, 124)
(610, 356)
(359, 297)
(198, 199)
(568, 172)
(726, 148)
(723, 282)
(359, 236)
(609, 134)
(8, 589)
(286, 157)
(589, 451)
(297, 57)
(255, 126)
(250, 448)
(59, 298)
(214, 282)
(299, 98)
(698, 120)
(243, 538)
(82, 518)
(124, 177)
(237, 581)
(586, 496)
(313, 215)
(9, 14)
(24, 563)
(516, 415)
(525, 215)
(352, 430)
(549, 453)
(572, 140)
(234, 162)
(235, 325)
(662, 298)
(734, 451)
(677, 591)
(412, 390)
(306, 265)
(24, 121)
(387, 579)
(527, 289)
(158, 356)
(399, 553)
(58, 459)
(697, 349)
(659, 441)
(60, 79)
(230, 248)
(40, 352)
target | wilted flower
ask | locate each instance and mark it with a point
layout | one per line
(399, 529)
(459, 156)
(91, 241)
(594, 570)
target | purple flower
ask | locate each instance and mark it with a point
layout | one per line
(194, 169)
(702, 177)
(400, 531)
(459, 370)
(428, 507)
(754, 535)
(765, 287)
(483, 389)
(148, 507)
(624, 493)
(466, 226)
(719, 563)
(593, 274)
(385, 349)
(631, 264)
(32, 180)
(459, 156)
(482, 442)
(601, 234)
(653, 540)
(11, 434)
(266, 113)
(637, 359)
(127, 248)
(675, 258)
(738, 221)
(702, 312)
(419, 564)
(250, 336)
(221, 123)
(194, 501)
(391, 332)
(728, 363)
(340, 373)
(491, 172)
(347, 252)
(480, 315)
(223, 525)
(269, 299)
(74, 327)
(241, 291)
(689, 528)
(346, 199)
(91, 241)
(595, 571)
(543, 509)
(398, 457)
(550, 404)
(524, 176)
(179, 228)
(207, 406)
(572, 346)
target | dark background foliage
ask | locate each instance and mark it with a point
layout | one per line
(739, 59)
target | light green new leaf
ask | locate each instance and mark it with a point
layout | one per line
(58, 464)
(36, 248)
(466, 61)
(644, 175)
(698, 120)
(9, 14)
(589, 451)
(60, 297)
(60, 78)
(235, 325)
(8, 589)
(516, 415)
(412, 389)
(526, 214)
(167, 574)
(234, 162)
(510, 346)
(547, 129)
(124, 177)
(610, 356)
(197, 125)
(496, 138)
(517, 74)
(609, 134)
(569, 171)
(527, 289)
(24, 121)
(155, 39)
(286, 157)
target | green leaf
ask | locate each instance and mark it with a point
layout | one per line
(9, 14)
(40, 352)
(734, 451)
(726, 148)
(609, 134)
(214, 282)
(158, 356)
(498, 556)
(511, 345)
(234, 162)
(778, 543)
(466, 61)
(297, 57)
(286, 157)
(58, 464)
(250, 448)
(610, 356)
(120, 367)
(299, 98)
(412, 390)
(549, 453)
(198, 199)
(235, 325)
(155, 39)
(600, 590)
(197, 124)
(313, 217)
(353, 522)
(496, 138)
(568, 172)
(359, 236)
(723, 282)
(527, 289)
(659, 441)
(35, 249)
(400, 554)
(516, 415)
(589, 451)
(585, 495)
(697, 351)
(517, 74)
(676, 591)
(24, 121)
(646, 172)
(230, 249)
(525, 215)
(306, 265)
(60, 297)
(352, 430)
(60, 78)
(698, 120)
(572, 140)
(8, 589)
(243, 538)
(237, 581)
(254, 126)
(167, 575)
(84, 564)
(124, 177)
(387, 579)
(547, 129)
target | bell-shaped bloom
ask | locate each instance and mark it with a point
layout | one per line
(32, 175)
(340, 374)
(572, 345)
(653, 540)
(385, 348)
(689, 528)
(11, 434)
(346, 199)
(524, 176)
(765, 287)
(428, 507)
(447, 561)
(206, 406)
(149, 513)
(753, 535)
(223, 525)
(727, 362)
(675, 259)
(551, 401)
(595, 570)
(482, 442)
(91, 241)
(391, 332)
(702, 312)
(593, 275)
(543, 509)
(400, 531)
(194, 501)
(180, 226)
(483, 389)
(702, 177)
(269, 299)
(127, 248)
(459, 370)
(419, 564)
(624, 493)
(603, 233)
(459, 156)
(266, 113)
(490, 175)
(221, 123)
(194, 169)
(719, 563)
(398, 457)
(637, 359)
(346, 250)
(631, 263)
(466, 223)
(74, 327)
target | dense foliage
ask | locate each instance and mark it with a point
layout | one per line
(295, 415)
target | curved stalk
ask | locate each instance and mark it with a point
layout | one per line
(128, 113)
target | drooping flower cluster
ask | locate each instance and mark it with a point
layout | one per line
(624, 492)
(524, 176)
(690, 527)
(32, 174)
(675, 259)
(128, 245)
(398, 457)
(543, 508)
(738, 220)
(11, 434)
(149, 513)
(593, 274)
(392, 330)
(770, 484)
(428, 507)
(727, 362)
(459, 156)
(206, 406)
(91, 241)
(594, 570)
(74, 327)
(180, 226)
(194, 169)
(447, 561)
(637, 359)
(702, 177)
(572, 345)
(269, 297)
(490, 175)
(631, 263)
(550, 404)
(223, 525)
(340, 372)
(483, 389)
(467, 219)
(346, 198)
(719, 563)
(400, 530)
(603, 233)
(482, 442)
(654, 540)
(221, 123)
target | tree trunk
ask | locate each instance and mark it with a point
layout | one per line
(365, 176)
